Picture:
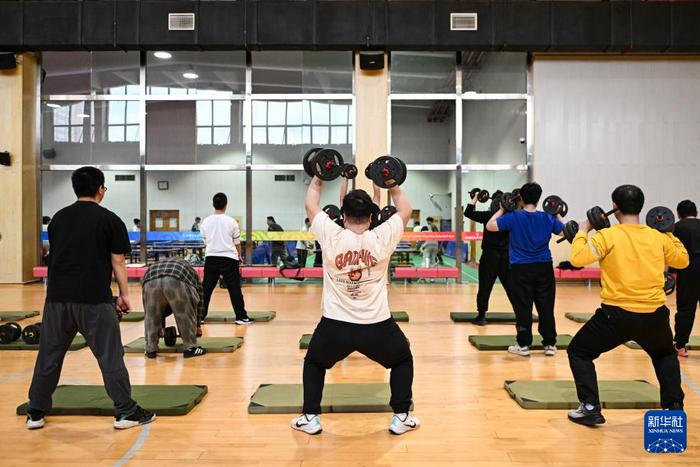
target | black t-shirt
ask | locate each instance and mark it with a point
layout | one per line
(688, 232)
(276, 246)
(83, 237)
(491, 240)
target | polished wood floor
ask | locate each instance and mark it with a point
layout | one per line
(468, 418)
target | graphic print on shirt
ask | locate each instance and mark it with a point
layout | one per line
(362, 258)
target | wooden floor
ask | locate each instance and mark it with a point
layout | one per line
(467, 416)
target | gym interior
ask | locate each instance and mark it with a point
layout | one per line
(175, 101)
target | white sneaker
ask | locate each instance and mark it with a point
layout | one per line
(517, 350)
(308, 423)
(35, 420)
(245, 320)
(403, 422)
(550, 350)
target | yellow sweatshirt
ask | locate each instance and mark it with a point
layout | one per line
(632, 259)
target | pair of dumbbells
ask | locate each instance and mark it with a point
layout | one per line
(327, 164)
(11, 332)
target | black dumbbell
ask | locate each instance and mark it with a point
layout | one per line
(661, 218)
(554, 205)
(385, 214)
(32, 333)
(570, 230)
(332, 210)
(510, 202)
(170, 336)
(326, 164)
(669, 283)
(10, 332)
(481, 195)
(349, 171)
(387, 171)
(598, 218)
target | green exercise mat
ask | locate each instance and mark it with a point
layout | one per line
(93, 400)
(77, 344)
(17, 315)
(491, 317)
(133, 317)
(230, 317)
(304, 341)
(347, 397)
(212, 344)
(622, 394)
(693, 344)
(501, 342)
(579, 317)
(400, 316)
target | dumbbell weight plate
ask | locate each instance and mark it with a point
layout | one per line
(597, 218)
(368, 171)
(10, 332)
(386, 213)
(349, 171)
(332, 210)
(669, 283)
(564, 209)
(509, 202)
(31, 334)
(388, 172)
(661, 218)
(570, 230)
(552, 205)
(327, 164)
(170, 336)
(307, 160)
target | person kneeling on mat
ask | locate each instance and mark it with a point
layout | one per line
(88, 243)
(356, 313)
(173, 284)
(632, 258)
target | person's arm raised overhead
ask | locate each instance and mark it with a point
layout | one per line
(492, 224)
(376, 194)
(313, 198)
(585, 250)
(343, 190)
(402, 203)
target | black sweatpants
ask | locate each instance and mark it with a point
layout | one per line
(99, 326)
(301, 257)
(533, 283)
(687, 298)
(218, 266)
(382, 342)
(492, 264)
(612, 326)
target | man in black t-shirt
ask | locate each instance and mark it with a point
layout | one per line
(88, 243)
(494, 259)
(687, 230)
(279, 250)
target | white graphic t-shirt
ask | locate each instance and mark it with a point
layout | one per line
(221, 234)
(355, 269)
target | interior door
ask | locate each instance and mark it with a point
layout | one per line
(164, 220)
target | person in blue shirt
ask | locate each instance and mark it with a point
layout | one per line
(531, 272)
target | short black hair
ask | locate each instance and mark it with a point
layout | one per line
(497, 194)
(87, 181)
(429, 219)
(45, 220)
(530, 193)
(629, 199)
(270, 218)
(197, 219)
(687, 208)
(220, 201)
(357, 207)
(137, 221)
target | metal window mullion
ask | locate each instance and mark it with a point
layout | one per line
(530, 124)
(473, 96)
(248, 129)
(143, 250)
(459, 224)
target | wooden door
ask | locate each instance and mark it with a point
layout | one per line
(164, 220)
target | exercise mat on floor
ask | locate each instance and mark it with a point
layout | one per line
(304, 341)
(133, 317)
(77, 344)
(93, 400)
(346, 397)
(212, 344)
(501, 342)
(622, 394)
(400, 316)
(230, 317)
(17, 315)
(491, 317)
(693, 344)
(579, 317)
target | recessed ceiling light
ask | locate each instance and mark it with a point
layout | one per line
(190, 75)
(53, 106)
(163, 55)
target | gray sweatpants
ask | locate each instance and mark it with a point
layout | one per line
(99, 325)
(168, 292)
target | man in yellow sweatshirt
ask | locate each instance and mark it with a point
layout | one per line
(632, 259)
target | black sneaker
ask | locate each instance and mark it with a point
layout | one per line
(136, 418)
(479, 321)
(194, 352)
(587, 414)
(245, 320)
(151, 354)
(35, 419)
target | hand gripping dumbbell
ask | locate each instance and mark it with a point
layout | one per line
(387, 171)
(481, 195)
(385, 213)
(326, 164)
(510, 201)
(554, 205)
(597, 218)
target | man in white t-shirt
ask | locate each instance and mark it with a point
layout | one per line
(222, 238)
(356, 314)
